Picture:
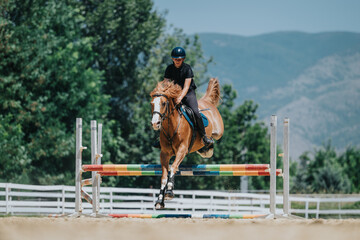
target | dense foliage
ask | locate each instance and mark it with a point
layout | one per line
(99, 60)
(328, 172)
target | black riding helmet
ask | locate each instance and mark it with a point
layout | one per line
(178, 52)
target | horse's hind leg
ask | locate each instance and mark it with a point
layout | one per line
(164, 158)
(180, 155)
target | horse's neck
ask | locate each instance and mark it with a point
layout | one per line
(172, 121)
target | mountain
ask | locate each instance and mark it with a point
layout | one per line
(314, 79)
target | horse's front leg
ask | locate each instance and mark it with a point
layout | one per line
(180, 155)
(164, 158)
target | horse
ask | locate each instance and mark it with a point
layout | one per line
(176, 134)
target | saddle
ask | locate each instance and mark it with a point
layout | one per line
(190, 117)
(188, 113)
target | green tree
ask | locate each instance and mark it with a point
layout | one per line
(123, 32)
(322, 174)
(300, 177)
(350, 160)
(46, 80)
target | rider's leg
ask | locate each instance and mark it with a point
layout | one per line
(191, 101)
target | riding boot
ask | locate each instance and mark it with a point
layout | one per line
(201, 128)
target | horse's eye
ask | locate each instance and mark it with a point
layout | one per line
(163, 104)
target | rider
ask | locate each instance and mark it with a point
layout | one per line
(182, 74)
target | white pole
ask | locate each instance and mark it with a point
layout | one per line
(78, 153)
(7, 197)
(63, 199)
(286, 204)
(273, 125)
(99, 143)
(98, 161)
(93, 161)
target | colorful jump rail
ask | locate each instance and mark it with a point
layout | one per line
(185, 170)
(157, 167)
(99, 170)
(192, 173)
(223, 216)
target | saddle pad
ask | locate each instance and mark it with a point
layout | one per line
(204, 118)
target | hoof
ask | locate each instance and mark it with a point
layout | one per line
(159, 206)
(169, 195)
(206, 152)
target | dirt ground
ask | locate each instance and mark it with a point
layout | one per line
(29, 228)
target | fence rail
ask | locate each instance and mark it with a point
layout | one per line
(19, 199)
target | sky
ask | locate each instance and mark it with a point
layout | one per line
(255, 17)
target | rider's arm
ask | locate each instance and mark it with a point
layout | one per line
(185, 89)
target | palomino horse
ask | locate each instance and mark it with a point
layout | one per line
(176, 133)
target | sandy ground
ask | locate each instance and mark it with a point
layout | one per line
(102, 229)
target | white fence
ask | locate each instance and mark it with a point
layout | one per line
(18, 199)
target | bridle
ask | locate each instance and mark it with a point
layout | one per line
(163, 116)
(166, 115)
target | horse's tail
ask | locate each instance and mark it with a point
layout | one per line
(212, 94)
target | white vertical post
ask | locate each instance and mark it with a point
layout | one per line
(273, 125)
(98, 161)
(244, 184)
(317, 208)
(286, 178)
(63, 199)
(229, 202)
(7, 197)
(111, 200)
(93, 161)
(78, 160)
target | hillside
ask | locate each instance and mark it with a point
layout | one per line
(312, 78)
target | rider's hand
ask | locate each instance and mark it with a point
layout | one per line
(178, 100)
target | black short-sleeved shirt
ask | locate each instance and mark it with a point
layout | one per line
(178, 75)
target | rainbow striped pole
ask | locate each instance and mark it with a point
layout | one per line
(192, 173)
(157, 167)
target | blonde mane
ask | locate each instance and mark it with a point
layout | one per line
(168, 88)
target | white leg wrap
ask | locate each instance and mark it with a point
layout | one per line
(172, 172)
(163, 183)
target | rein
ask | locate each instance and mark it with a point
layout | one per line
(165, 116)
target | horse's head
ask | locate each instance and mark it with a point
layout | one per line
(159, 109)
(162, 100)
